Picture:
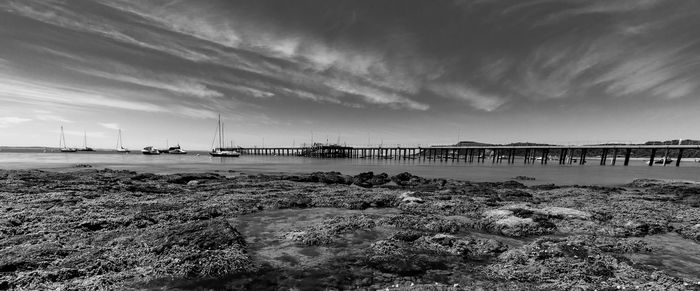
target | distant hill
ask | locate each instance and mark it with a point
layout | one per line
(639, 153)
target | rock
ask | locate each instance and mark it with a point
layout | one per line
(507, 223)
(565, 213)
(380, 179)
(400, 258)
(690, 232)
(391, 185)
(478, 249)
(12, 222)
(94, 225)
(443, 239)
(406, 198)
(515, 195)
(328, 230)
(82, 166)
(406, 235)
(559, 263)
(145, 176)
(524, 210)
(513, 185)
(330, 177)
(201, 249)
(544, 187)
(363, 180)
(185, 178)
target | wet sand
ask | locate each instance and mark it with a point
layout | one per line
(88, 229)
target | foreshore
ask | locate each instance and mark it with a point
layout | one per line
(90, 229)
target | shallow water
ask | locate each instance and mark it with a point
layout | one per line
(265, 231)
(672, 254)
(289, 265)
(590, 174)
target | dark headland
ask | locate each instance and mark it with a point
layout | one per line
(118, 230)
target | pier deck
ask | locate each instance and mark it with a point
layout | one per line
(544, 154)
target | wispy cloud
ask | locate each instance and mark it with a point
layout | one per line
(472, 96)
(9, 121)
(26, 91)
(307, 58)
(659, 73)
(108, 125)
(48, 116)
(173, 84)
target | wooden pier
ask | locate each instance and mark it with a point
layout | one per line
(563, 155)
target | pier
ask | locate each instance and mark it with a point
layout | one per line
(564, 155)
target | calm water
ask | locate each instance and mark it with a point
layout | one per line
(193, 162)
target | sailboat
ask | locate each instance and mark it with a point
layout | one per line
(62, 144)
(85, 147)
(221, 151)
(120, 146)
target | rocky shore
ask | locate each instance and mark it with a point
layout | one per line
(93, 229)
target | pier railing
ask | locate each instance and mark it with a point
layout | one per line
(543, 154)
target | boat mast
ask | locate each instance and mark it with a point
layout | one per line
(60, 139)
(119, 139)
(63, 138)
(84, 139)
(218, 130)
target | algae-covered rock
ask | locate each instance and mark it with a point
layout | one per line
(199, 249)
(576, 263)
(515, 223)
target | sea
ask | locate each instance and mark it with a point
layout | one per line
(590, 174)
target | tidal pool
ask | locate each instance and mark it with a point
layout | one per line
(290, 264)
(265, 234)
(672, 254)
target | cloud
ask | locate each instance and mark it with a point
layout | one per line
(57, 14)
(476, 99)
(114, 126)
(12, 121)
(297, 52)
(46, 115)
(31, 92)
(375, 95)
(660, 73)
(173, 84)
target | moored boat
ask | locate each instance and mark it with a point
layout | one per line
(149, 150)
(120, 146)
(222, 151)
(664, 161)
(62, 144)
(176, 150)
(85, 147)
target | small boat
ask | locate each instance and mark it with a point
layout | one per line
(85, 147)
(120, 146)
(222, 151)
(62, 144)
(664, 161)
(176, 150)
(149, 150)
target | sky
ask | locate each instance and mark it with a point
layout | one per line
(391, 72)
